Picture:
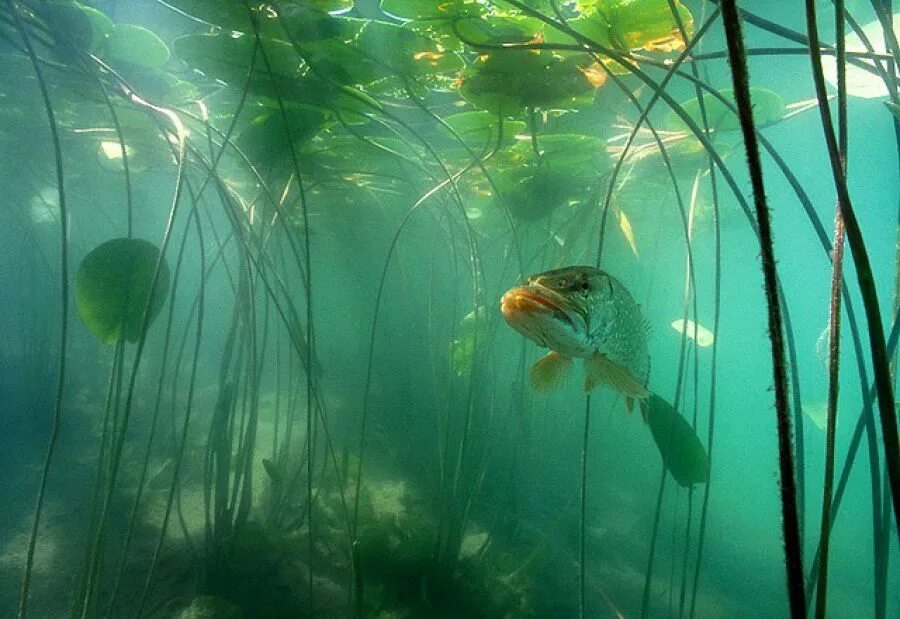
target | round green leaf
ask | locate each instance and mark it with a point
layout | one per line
(419, 9)
(768, 107)
(112, 288)
(642, 24)
(266, 139)
(481, 127)
(75, 24)
(508, 82)
(137, 45)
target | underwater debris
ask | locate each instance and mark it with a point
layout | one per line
(682, 452)
(817, 412)
(860, 82)
(211, 607)
(582, 311)
(700, 334)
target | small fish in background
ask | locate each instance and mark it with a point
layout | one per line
(700, 334)
(584, 312)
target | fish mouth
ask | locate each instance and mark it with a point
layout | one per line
(524, 305)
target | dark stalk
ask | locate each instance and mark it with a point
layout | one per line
(793, 552)
(582, 599)
(834, 326)
(865, 277)
(64, 306)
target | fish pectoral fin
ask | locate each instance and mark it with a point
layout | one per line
(549, 371)
(599, 370)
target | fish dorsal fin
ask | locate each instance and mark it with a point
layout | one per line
(599, 370)
(549, 371)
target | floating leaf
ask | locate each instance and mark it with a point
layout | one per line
(493, 30)
(509, 82)
(75, 24)
(378, 51)
(480, 127)
(768, 107)
(286, 76)
(642, 24)
(137, 45)
(704, 337)
(593, 27)
(229, 14)
(266, 141)
(682, 452)
(112, 288)
(417, 9)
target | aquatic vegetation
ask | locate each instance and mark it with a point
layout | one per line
(116, 287)
(296, 397)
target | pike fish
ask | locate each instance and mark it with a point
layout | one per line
(582, 311)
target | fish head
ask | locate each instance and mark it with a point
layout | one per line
(555, 308)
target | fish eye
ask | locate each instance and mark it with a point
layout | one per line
(585, 285)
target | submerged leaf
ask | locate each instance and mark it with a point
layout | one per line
(417, 9)
(682, 452)
(137, 45)
(642, 24)
(768, 107)
(112, 289)
(509, 82)
(74, 24)
(265, 141)
(481, 127)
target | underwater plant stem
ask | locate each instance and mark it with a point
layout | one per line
(64, 308)
(790, 521)
(865, 277)
(582, 569)
(834, 329)
(834, 347)
(176, 475)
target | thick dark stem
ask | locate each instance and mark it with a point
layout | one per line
(793, 552)
(865, 278)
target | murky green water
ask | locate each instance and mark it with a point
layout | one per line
(252, 356)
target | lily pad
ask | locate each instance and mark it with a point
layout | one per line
(682, 452)
(481, 127)
(75, 24)
(378, 51)
(138, 46)
(642, 24)
(768, 107)
(508, 82)
(266, 141)
(112, 288)
(417, 9)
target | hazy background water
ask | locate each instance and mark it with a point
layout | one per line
(527, 445)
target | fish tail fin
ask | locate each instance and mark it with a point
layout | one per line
(599, 370)
(549, 371)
